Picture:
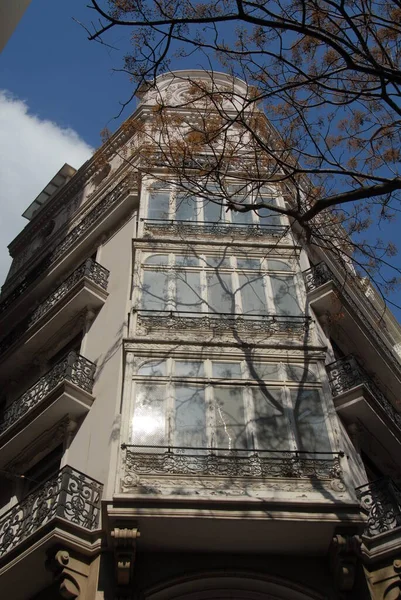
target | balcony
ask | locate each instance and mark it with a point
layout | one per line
(381, 502)
(85, 288)
(354, 322)
(27, 280)
(186, 499)
(221, 324)
(357, 398)
(69, 500)
(64, 390)
(155, 228)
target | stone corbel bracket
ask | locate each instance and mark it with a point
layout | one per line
(71, 573)
(124, 556)
(344, 553)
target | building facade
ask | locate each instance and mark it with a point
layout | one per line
(193, 404)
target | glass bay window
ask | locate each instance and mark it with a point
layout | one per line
(242, 405)
(173, 205)
(225, 284)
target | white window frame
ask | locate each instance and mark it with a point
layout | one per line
(207, 382)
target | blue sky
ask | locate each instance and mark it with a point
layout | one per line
(57, 92)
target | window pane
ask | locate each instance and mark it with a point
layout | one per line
(189, 368)
(230, 418)
(226, 370)
(156, 259)
(158, 207)
(267, 216)
(219, 293)
(241, 218)
(278, 265)
(188, 291)
(187, 260)
(155, 368)
(190, 417)
(248, 263)
(271, 425)
(211, 211)
(263, 371)
(185, 208)
(310, 422)
(217, 261)
(285, 298)
(301, 372)
(148, 423)
(154, 290)
(253, 294)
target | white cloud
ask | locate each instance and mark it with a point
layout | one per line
(31, 152)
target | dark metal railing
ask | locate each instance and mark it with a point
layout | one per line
(69, 240)
(381, 502)
(224, 462)
(355, 298)
(186, 319)
(74, 367)
(346, 373)
(69, 495)
(90, 269)
(217, 228)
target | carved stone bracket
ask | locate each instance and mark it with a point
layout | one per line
(124, 557)
(70, 572)
(344, 553)
(385, 582)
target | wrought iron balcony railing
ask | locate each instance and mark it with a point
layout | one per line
(346, 373)
(68, 495)
(381, 501)
(222, 462)
(355, 298)
(219, 229)
(90, 269)
(68, 242)
(74, 368)
(221, 322)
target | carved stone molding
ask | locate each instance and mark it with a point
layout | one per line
(385, 582)
(344, 553)
(70, 572)
(145, 348)
(124, 558)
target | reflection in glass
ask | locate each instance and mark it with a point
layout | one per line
(217, 261)
(159, 204)
(154, 290)
(278, 265)
(189, 368)
(248, 263)
(226, 370)
(148, 423)
(253, 294)
(271, 427)
(211, 211)
(301, 372)
(153, 368)
(188, 291)
(310, 422)
(157, 259)
(230, 418)
(220, 296)
(285, 297)
(190, 418)
(185, 208)
(262, 371)
(186, 260)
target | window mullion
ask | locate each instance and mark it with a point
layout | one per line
(289, 412)
(271, 309)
